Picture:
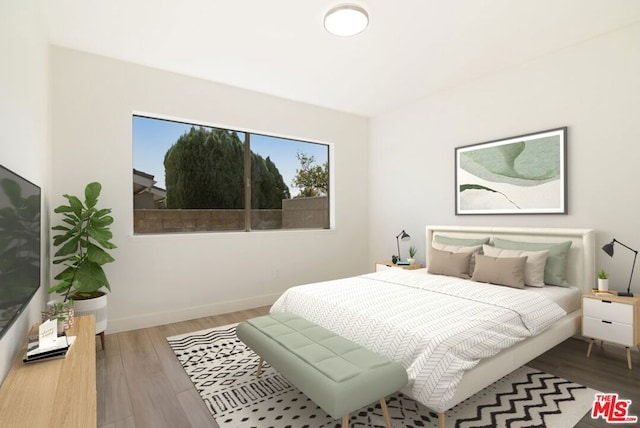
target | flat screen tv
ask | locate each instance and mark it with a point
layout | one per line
(19, 245)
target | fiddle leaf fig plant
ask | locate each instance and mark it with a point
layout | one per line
(83, 241)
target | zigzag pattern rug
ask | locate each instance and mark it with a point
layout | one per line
(222, 369)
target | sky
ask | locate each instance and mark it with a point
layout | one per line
(153, 137)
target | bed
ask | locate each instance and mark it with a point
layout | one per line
(455, 336)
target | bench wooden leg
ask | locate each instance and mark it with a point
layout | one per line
(259, 372)
(441, 420)
(385, 412)
(345, 421)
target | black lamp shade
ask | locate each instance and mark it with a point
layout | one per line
(608, 248)
(404, 236)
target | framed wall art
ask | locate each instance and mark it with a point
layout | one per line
(518, 175)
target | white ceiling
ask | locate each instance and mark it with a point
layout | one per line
(412, 48)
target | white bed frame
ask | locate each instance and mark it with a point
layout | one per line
(580, 273)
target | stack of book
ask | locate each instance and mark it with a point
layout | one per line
(57, 349)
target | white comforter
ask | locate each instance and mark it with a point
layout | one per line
(436, 326)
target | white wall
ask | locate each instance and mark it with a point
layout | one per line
(593, 88)
(24, 146)
(160, 279)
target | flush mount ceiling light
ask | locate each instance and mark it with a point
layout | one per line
(346, 20)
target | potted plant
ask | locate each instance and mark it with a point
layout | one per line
(83, 242)
(412, 254)
(603, 281)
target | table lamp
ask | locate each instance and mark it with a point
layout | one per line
(404, 236)
(608, 248)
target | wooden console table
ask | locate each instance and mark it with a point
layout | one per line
(54, 393)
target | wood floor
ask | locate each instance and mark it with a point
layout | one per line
(141, 384)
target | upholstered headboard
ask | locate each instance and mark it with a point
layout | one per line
(580, 271)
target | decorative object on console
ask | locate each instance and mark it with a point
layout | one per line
(608, 248)
(83, 237)
(506, 176)
(62, 311)
(404, 236)
(603, 281)
(57, 349)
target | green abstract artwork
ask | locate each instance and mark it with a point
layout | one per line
(518, 175)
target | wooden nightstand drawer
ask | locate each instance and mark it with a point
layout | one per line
(610, 331)
(608, 310)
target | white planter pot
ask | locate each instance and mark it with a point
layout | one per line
(603, 284)
(97, 307)
(411, 261)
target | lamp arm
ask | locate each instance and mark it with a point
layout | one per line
(625, 246)
(632, 268)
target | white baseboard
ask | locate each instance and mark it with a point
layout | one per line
(185, 314)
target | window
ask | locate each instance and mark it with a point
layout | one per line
(194, 178)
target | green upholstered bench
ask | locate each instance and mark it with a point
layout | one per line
(339, 375)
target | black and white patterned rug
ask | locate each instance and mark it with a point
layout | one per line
(223, 369)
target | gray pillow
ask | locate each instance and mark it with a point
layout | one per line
(555, 268)
(475, 249)
(448, 263)
(507, 271)
(462, 242)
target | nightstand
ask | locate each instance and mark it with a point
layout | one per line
(611, 318)
(387, 264)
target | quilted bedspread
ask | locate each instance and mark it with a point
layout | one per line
(436, 326)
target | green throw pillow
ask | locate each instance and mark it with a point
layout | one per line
(555, 268)
(462, 242)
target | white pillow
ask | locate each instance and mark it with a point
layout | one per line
(533, 269)
(475, 249)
